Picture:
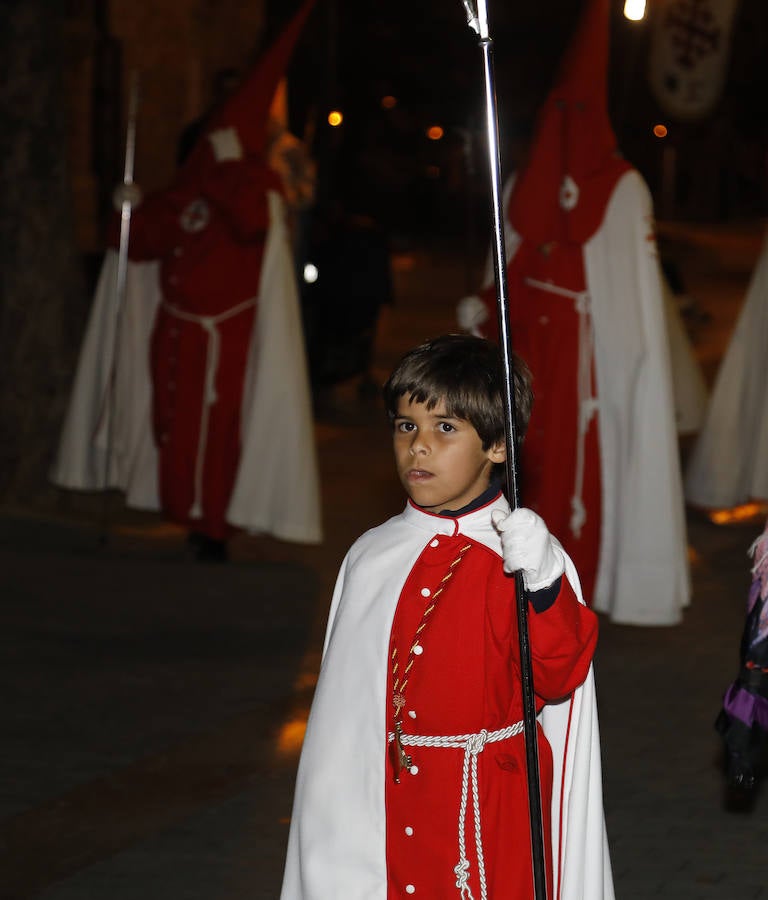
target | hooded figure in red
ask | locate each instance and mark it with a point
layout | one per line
(208, 231)
(599, 462)
(557, 203)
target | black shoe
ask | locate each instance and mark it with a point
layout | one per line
(207, 549)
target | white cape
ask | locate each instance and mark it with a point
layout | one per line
(688, 386)
(729, 464)
(337, 841)
(643, 574)
(277, 488)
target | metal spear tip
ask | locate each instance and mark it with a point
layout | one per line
(472, 20)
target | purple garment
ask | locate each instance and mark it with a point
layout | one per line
(749, 708)
(743, 720)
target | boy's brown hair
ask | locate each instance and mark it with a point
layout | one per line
(466, 373)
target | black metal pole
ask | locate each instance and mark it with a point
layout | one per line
(479, 23)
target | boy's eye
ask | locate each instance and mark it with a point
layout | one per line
(446, 427)
(405, 426)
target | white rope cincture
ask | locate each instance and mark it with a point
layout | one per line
(472, 745)
(212, 354)
(587, 401)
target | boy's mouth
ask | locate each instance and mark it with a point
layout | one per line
(418, 475)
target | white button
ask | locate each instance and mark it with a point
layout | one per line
(410, 889)
(425, 592)
(408, 830)
(411, 713)
(418, 649)
(434, 543)
(414, 770)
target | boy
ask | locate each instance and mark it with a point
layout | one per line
(412, 778)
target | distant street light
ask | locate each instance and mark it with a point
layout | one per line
(335, 118)
(634, 9)
(435, 133)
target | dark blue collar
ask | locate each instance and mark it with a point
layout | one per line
(489, 494)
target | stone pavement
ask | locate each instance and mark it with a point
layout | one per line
(154, 706)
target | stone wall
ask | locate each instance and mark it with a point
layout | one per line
(174, 46)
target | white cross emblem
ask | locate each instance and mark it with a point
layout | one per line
(569, 193)
(195, 216)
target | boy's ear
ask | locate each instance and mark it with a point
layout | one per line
(497, 453)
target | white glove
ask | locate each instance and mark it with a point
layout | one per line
(471, 313)
(527, 544)
(126, 193)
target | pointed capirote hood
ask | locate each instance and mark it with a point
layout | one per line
(573, 161)
(246, 112)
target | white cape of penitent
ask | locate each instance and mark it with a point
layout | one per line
(643, 570)
(84, 444)
(281, 500)
(688, 385)
(277, 488)
(729, 464)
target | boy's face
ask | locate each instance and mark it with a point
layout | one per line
(440, 459)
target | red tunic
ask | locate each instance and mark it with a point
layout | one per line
(467, 679)
(209, 237)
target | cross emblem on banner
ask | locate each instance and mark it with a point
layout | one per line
(695, 33)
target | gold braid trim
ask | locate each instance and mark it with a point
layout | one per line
(398, 687)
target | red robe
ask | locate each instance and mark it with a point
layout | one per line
(209, 237)
(467, 679)
(546, 330)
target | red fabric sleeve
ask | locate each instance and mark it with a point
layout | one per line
(155, 227)
(563, 641)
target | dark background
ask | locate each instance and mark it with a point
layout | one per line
(379, 162)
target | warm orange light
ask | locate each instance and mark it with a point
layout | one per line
(153, 530)
(434, 133)
(744, 513)
(660, 131)
(291, 736)
(403, 262)
(389, 102)
(335, 118)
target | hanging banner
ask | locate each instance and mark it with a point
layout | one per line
(689, 55)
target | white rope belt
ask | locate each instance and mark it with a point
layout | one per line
(212, 353)
(586, 398)
(472, 745)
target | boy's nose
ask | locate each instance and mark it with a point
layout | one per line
(418, 445)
